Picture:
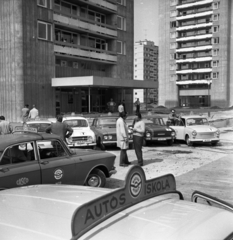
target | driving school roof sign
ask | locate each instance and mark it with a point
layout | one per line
(136, 190)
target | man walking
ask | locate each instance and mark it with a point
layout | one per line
(33, 112)
(137, 105)
(5, 127)
(25, 113)
(60, 128)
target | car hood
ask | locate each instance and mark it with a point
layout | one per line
(203, 128)
(157, 128)
(82, 132)
(108, 130)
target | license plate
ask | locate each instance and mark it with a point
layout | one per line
(79, 143)
(161, 139)
(206, 140)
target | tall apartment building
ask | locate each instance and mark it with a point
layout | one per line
(146, 69)
(195, 60)
(66, 56)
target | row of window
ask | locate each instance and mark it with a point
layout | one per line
(215, 5)
(213, 75)
(174, 66)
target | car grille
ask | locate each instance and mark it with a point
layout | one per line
(82, 138)
(161, 134)
(206, 135)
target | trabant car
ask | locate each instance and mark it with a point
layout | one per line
(104, 128)
(142, 209)
(196, 129)
(156, 129)
(29, 158)
(82, 136)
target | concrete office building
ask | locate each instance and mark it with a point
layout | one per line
(195, 60)
(146, 69)
(66, 56)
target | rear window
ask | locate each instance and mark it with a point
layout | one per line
(77, 123)
(41, 127)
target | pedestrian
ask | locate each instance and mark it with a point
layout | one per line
(173, 117)
(60, 128)
(121, 107)
(122, 139)
(138, 135)
(111, 105)
(5, 127)
(25, 113)
(137, 105)
(34, 113)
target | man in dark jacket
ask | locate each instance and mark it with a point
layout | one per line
(60, 128)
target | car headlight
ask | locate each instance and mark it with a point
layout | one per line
(69, 140)
(194, 133)
(148, 134)
(218, 132)
(110, 137)
(89, 138)
(168, 129)
(173, 134)
(106, 137)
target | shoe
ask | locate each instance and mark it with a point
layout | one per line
(124, 165)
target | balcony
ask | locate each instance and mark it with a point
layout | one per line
(79, 23)
(104, 4)
(192, 3)
(195, 37)
(198, 59)
(194, 25)
(196, 15)
(194, 11)
(192, 49)
(195, 70)
(84, 52)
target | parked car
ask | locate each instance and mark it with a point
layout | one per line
(196, 129)
(104, 128)
(142, 209)
(156, 129)
(39, 124)
(82, 136)
(29, 158)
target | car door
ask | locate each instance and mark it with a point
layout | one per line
(19, 166)
(180, 129)
(57, 165)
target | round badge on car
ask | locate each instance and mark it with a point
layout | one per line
(135, 185)
(58, 174)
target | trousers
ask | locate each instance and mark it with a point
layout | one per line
(138, 141)
(123, 156)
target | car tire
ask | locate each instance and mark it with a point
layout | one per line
(169, 142)
(96, 179)
(187, 140)
(100, 144)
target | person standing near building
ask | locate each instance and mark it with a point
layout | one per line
(111, 105)
(33, 112)
(5, 127)
(120, 107)
(137, 105)
(138, 135)
(60, 128)
(122, 139)
(172, 117)
(25, 113)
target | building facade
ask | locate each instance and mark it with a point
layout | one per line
(195, 61)
(146, 69)
(65, 56)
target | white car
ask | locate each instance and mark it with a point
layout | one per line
(195, 129)
(82, 136)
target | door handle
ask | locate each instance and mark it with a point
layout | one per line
(44, 162)
(4, 169)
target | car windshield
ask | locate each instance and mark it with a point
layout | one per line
(107, 122)
(41, 127)
(156, 121)
(197, 121)
(77, 123)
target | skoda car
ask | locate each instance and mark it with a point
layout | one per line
(105, 131)
(156, 129)
(196, 129)
(142, 209)
(28, 158)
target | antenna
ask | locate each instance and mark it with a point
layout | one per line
(145, 30)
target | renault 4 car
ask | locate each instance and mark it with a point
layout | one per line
(155, 129)
(142, 209)
(196, 129)
(82, 136)
(104, 128)
(29, 158)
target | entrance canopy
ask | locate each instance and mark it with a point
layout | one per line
(94, 81)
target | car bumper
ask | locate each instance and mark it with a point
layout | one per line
(113, 171)
(160, 138)
(198, 140)
(108, 143)
(81, 144)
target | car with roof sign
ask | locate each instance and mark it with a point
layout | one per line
(195, 129)
(141, 209)
(104, 128)
(29, 158)
(155, 129)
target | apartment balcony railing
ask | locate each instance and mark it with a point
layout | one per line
(193, 44)
(194, 33)
(195, 38)
(195, 22)
(194, 70)
(194, 49)
(107, 5)
(194, 11)
(194, 26)
(85, 52)
(86, 24)
(190, 3)
(195, 15)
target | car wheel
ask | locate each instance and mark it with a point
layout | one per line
(169, 142)
(96, 179)
(188, 141)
